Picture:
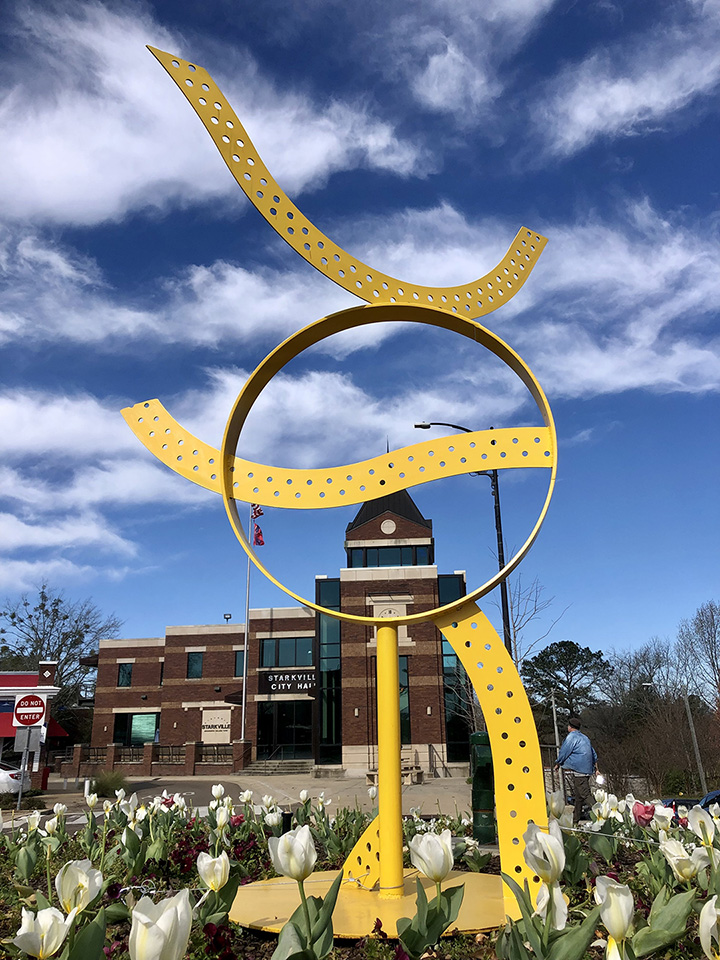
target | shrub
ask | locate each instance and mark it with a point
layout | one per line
(31, 800)
(107, 782)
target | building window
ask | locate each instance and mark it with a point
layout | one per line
(162, 673)
(134, 729)
(389, 556)
(405, 736)
(124, 678)
(194, 665)
(328, 703)
(286, 652)
(239, 663)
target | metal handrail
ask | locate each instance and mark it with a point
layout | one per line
(266, 760)
(170, 753)
(216, 753)
(432, 764)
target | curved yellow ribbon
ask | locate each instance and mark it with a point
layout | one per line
(475, 299)
(353, 483)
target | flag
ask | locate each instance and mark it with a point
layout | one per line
(257, 536)
(256, 511)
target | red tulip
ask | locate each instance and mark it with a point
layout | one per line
(643, 813)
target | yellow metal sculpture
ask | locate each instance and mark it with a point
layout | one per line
(377, 860)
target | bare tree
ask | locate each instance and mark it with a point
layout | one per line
(699, 643)
(655, 663)
(526, 603)
(50, 627)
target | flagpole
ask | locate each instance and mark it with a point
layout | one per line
(247, 632)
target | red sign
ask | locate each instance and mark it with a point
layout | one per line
(29, 710)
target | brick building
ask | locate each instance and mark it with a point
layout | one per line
(311, 678)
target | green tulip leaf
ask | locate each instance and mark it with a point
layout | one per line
(573, 942)
(89, 942)
(42, 902)
(667, 922)
(324, 917)
(525, 904)
(25, 863)
(117, 912)
(291, 944)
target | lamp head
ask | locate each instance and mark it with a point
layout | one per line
(422, 426)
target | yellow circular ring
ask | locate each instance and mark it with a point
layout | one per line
(338, 323)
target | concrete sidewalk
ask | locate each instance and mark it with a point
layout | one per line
(449, 795)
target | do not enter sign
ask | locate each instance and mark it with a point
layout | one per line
(29, 710)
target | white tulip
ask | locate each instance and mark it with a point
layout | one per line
(77, 885)
(701, 824)
(616, 907)
(214, 871)
(120, 794)
(322, 802)
(293, 854)
(107, 807)
(91, 800)
(545, 852)
(268, 801)
(709, 928)
(42, 934)
(59, 809)
(246, 796)
(662, 818)
(432, 854)
(218, 791)
(546, 893)
(222, 817)
(273, 819)
(304, 796)
(556, 804)
(160, 931)
(51, 826)
(33, 821)
(684, 865)
(372, 792)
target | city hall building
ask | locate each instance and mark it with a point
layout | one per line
(310, 678)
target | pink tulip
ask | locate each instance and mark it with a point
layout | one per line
(643, 813)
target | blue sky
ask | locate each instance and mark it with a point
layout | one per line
(420, 137)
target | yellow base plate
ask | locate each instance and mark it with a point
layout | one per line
(267, 904)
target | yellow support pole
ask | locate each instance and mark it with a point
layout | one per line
(389, 772)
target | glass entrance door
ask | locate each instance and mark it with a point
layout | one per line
(285, 730)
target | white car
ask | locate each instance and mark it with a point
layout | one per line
(10, 779)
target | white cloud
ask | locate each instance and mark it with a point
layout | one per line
(93, 128)
(19, 575)
(451, 51)
(631, 88)
(83, 530)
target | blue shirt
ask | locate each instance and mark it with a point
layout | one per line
(577, 754)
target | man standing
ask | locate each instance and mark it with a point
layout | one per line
(578, 757)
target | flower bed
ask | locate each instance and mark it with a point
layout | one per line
(155, 881)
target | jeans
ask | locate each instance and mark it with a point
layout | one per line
(581, 792)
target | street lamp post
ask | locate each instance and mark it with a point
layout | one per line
(495, 490)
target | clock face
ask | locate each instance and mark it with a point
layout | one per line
(389, 612)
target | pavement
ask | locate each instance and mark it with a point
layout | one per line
(450, 795)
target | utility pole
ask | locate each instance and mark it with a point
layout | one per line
(696, 748)
(557, 741)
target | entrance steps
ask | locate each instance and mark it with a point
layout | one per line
(275, 768)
